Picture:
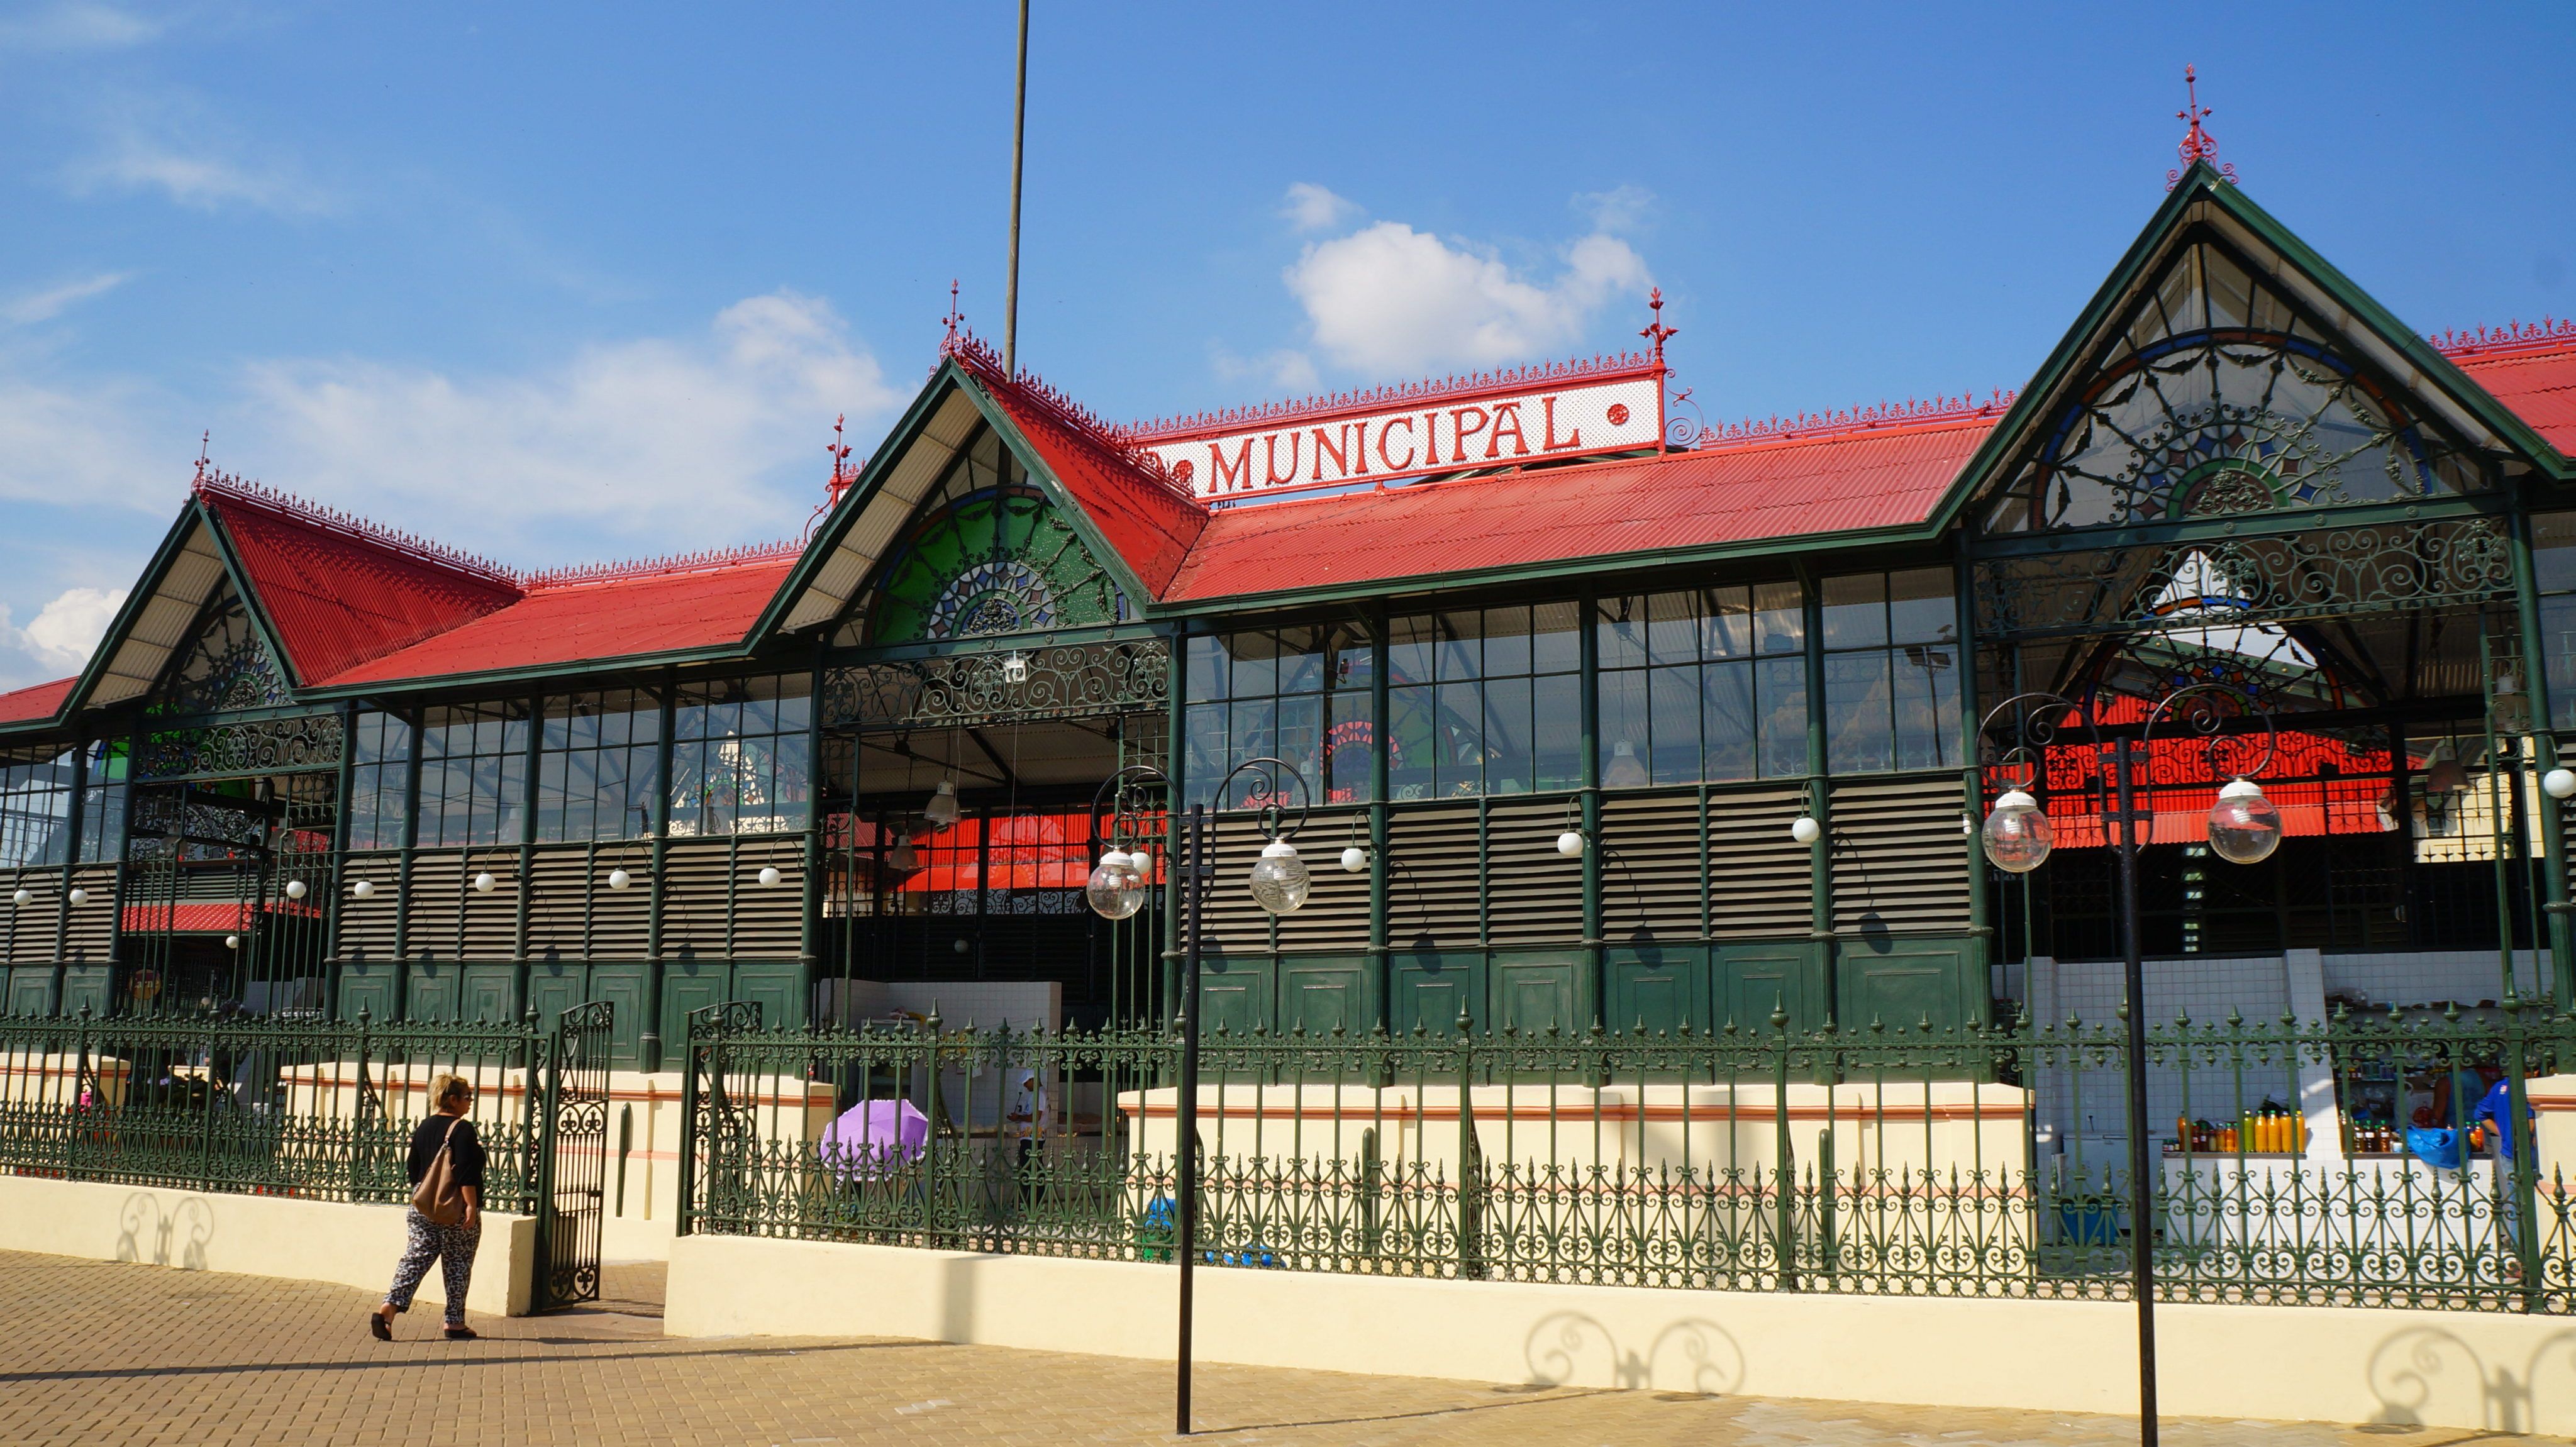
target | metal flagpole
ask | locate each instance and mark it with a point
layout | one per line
(1011, 291)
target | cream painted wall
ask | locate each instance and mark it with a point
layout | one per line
(2456, 1369)
(258, 1235)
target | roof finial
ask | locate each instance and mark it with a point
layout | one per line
(1656, 331)
(2197, 143)
(205, 454)
(842, 473)
(954, 320)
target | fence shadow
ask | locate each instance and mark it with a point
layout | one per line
(2413, 1368)
(148, 1234)
(1691, 1354)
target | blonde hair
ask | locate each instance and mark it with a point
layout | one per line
(444, 1088)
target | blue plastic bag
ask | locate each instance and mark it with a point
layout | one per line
(2435, 1146)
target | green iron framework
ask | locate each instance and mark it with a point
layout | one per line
(1888, 1160)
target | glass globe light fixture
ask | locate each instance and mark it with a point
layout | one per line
(24, 896)
(363, 889)
(295, 889)
(2243, 826)
(769, 875)
(941, 811)
(1355, 859)
(2558, 783)
(483, 883)
(232, 942)
(619, 879)
(1279, 878)
(80, 896)
(1570, 843)
(1116, 889)
(2017, 835)
(1805, 829)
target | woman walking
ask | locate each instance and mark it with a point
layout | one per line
(446, 1219)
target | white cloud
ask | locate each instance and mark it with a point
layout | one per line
(29, 308)
(654, 443)
(1390, 299)
(1620, 208)
(131, 157)
(66, 629)
(1310, 207)
(1285, 370)
(89, 444)
(76, 26)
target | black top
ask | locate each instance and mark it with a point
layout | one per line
(466, 1167)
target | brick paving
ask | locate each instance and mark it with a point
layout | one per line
(94, 1352)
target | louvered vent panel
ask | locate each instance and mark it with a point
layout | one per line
(93, 924)
(27, 931)
(492, 920)
(429, 919)
(696, 897)
(560, 886)
(1650, 868)
(1231, 922)
(621, 920)
(367, 925)
(1760, 886)
(1433, 887)
(1336, 916)
(769, 919)
(1533, 895)
(1900, 856)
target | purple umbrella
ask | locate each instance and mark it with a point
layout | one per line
(873, 1136)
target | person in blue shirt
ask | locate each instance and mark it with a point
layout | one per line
(2489, 1121)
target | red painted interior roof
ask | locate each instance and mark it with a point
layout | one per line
(37, 701)
(1775, 488)
(338, 598)
(593, 622)
(1150, 522)
(2538, 384)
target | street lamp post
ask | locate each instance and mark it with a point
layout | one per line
(2243, 828)
(1117, 889)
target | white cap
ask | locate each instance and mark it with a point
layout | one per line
(2241, 789)
(2015, 799)
(1278, 849)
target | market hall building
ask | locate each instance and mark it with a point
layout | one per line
(317, 766)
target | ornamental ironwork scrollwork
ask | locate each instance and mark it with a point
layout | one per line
(224, 667)
(1059, 681)
(257, 746)
(2376, 568)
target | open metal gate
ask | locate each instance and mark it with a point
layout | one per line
(572, 1161)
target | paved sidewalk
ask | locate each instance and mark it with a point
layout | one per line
(96, 1353)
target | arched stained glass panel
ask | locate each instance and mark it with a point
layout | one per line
(987, 555)
(2219, 397)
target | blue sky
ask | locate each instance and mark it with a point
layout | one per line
(564, 283)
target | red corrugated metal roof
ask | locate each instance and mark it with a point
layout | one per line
(593, 622)
(1779, 488)
(204, 917)
(338, 595)
(37, 701)
(2539, 385)
(1151, 522)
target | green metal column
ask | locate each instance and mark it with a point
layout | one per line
(402, 884)
(1820, 855)
(524, 999)
(2544, 740)
(648, 1044)
(334, 878)
(71, 862)
(1176, 772)
(1381, 957)
(1981, 925)
(1589, 994)
(808, 952)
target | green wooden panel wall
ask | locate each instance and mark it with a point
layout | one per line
(1753, 977)
(1658, 987)
(1325, 993)
(368, 987)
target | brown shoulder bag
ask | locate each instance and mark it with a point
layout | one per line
(438, 1197)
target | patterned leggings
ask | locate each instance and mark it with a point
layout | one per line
(450, 1246)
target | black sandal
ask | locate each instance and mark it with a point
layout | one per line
(382, 1329)
(461, 1333)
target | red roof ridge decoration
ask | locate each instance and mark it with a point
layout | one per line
(2545, 335)
(1323, 403)
(1122, 443)
(2198, 144)
(1912, 412)
(212, 482)
(706, 560)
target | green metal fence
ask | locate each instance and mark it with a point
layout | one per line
(1881, 1160)
(271, 1106)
